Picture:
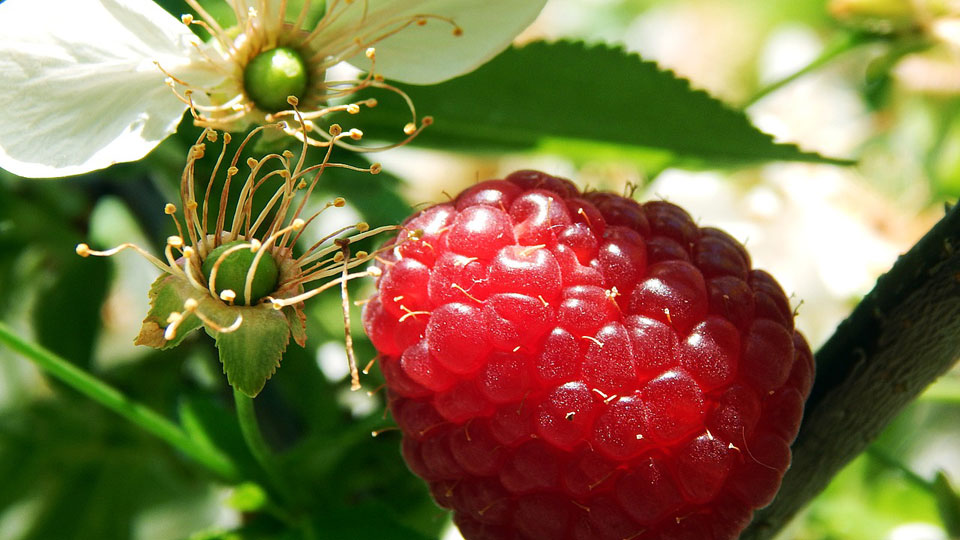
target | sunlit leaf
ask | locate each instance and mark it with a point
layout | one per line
(568, 90)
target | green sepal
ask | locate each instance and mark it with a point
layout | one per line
(251, 354)
(167, 294)
(297, 320)
(294, 313)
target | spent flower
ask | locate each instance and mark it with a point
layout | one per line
(82, 96)
(232, 268)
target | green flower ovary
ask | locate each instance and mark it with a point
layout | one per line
(274, 75)
(232, 272)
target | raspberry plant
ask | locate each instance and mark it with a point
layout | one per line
(561, 362)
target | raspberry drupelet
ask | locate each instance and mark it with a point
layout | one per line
(579, 366)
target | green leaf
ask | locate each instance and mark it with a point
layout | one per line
(948, 503)
(167, 295)
(251, 354)
(567, 90)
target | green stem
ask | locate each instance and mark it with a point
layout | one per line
(247, 417)
(250, 428)
(116, 401)
(846, 43)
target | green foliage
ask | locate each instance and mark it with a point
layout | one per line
(522, 99)
(948, 503)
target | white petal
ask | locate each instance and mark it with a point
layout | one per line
(432, 53)
(79, 85)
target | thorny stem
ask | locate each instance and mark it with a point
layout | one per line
(898, 340)
(846, 43)
(114, 400)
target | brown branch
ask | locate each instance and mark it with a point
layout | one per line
(898, 340)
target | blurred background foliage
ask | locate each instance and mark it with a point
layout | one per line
(888, 96)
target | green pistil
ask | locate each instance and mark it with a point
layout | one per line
(274, 75)
(232, 272)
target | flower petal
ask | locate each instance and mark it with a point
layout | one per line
(432, 53)
(79, 84)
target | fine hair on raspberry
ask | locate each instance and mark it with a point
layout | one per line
(570, 365)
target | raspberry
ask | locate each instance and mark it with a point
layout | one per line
(576, 366)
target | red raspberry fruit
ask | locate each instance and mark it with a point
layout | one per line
(574, 366)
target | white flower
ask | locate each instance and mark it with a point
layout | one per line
(86, 83)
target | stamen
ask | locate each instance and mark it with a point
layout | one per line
(280, 303)
(228, 296)
(84, 250)
(189, 256)
(345, 308)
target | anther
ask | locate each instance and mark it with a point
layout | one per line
(409, 128)
(251, 162)
(335, 130)
(170, 209)
(226, 138)
(363, 226)
(190, 305)
(356, 134)
(83, 250)
(175, 242)
(339, 202)
(188, 252)
(186, 18)
(292, 100)
(375, 272)
(298, 224)
(228, 295)
(426, 121)
(370, 53)
(211, 135)
(232, 171)
(254, 245)
(288, 154)
(353, 108)
(376, 168)
(458, 31)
